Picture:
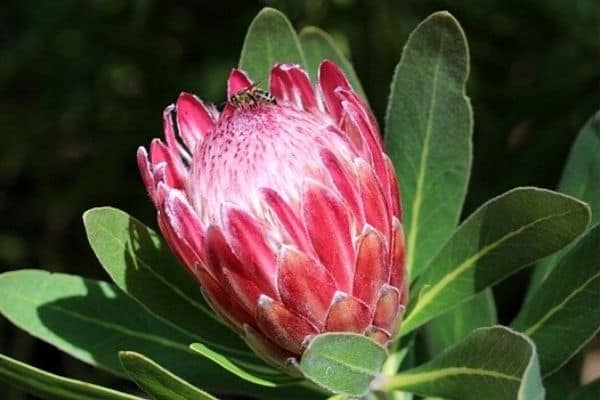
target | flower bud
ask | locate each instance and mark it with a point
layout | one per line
(284, 207)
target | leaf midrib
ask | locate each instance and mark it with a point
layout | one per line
(403, 380)
(144, 370)
(80, 390)
(416, 208)
(432, 292)
(351, 367)
(57, 390)
(110, 326)
(535, 326)
(230, 366)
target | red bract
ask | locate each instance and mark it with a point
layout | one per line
(288, 213)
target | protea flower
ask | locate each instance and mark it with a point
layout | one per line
(286, 210)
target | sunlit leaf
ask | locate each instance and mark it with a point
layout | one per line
(342, 362)
(268, 380)
(93, 321)
(50, 386)
(158, 381)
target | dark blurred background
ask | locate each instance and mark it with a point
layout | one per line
(84, 82)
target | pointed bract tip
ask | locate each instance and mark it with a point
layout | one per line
(238, 80)
(339, 296)
(142, 152)
(287, 66)
(307, 340)
(285, 250)
(168, 110)
(264, 300)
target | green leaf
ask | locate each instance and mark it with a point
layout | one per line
(491, 363)
(565, 309)
(591, 391)
(49, 386)
(139, 262)
(157, 381)
(318, 46)
(343, 363)
(271, 39)
(428, 130)
(262, 380)
(93, 321)
(565, 381)
(456, 324)
(505, 234)
(580, 179)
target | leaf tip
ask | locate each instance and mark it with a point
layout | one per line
(96, 210)
(126, 354)
(312, 30)
(269, 11)
(443, 15)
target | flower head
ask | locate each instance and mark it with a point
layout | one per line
(286, 209)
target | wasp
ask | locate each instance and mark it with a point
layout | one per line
(252, 96)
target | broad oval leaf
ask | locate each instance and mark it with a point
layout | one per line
(504, 235)
(50, 386)
(140, 263)
(428, 129)
(318, 46)
(580, 179)
(343, 363)
(271, 39)
(491, 363)
(157, 381)
(566, 307)
(93, 320)
(456, 324)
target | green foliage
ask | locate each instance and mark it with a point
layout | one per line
(157, 381)
(504, 235)
(319, 46)
(270, 39)
(93, 321)
(428, 135)
(428, 132)
(139, 262)
(268, 377)
(580, 179)
(456, 324)
(563, 314)
(491, 363)
(156, 307)
(50, 386)
(582, 172)
(342, 363)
